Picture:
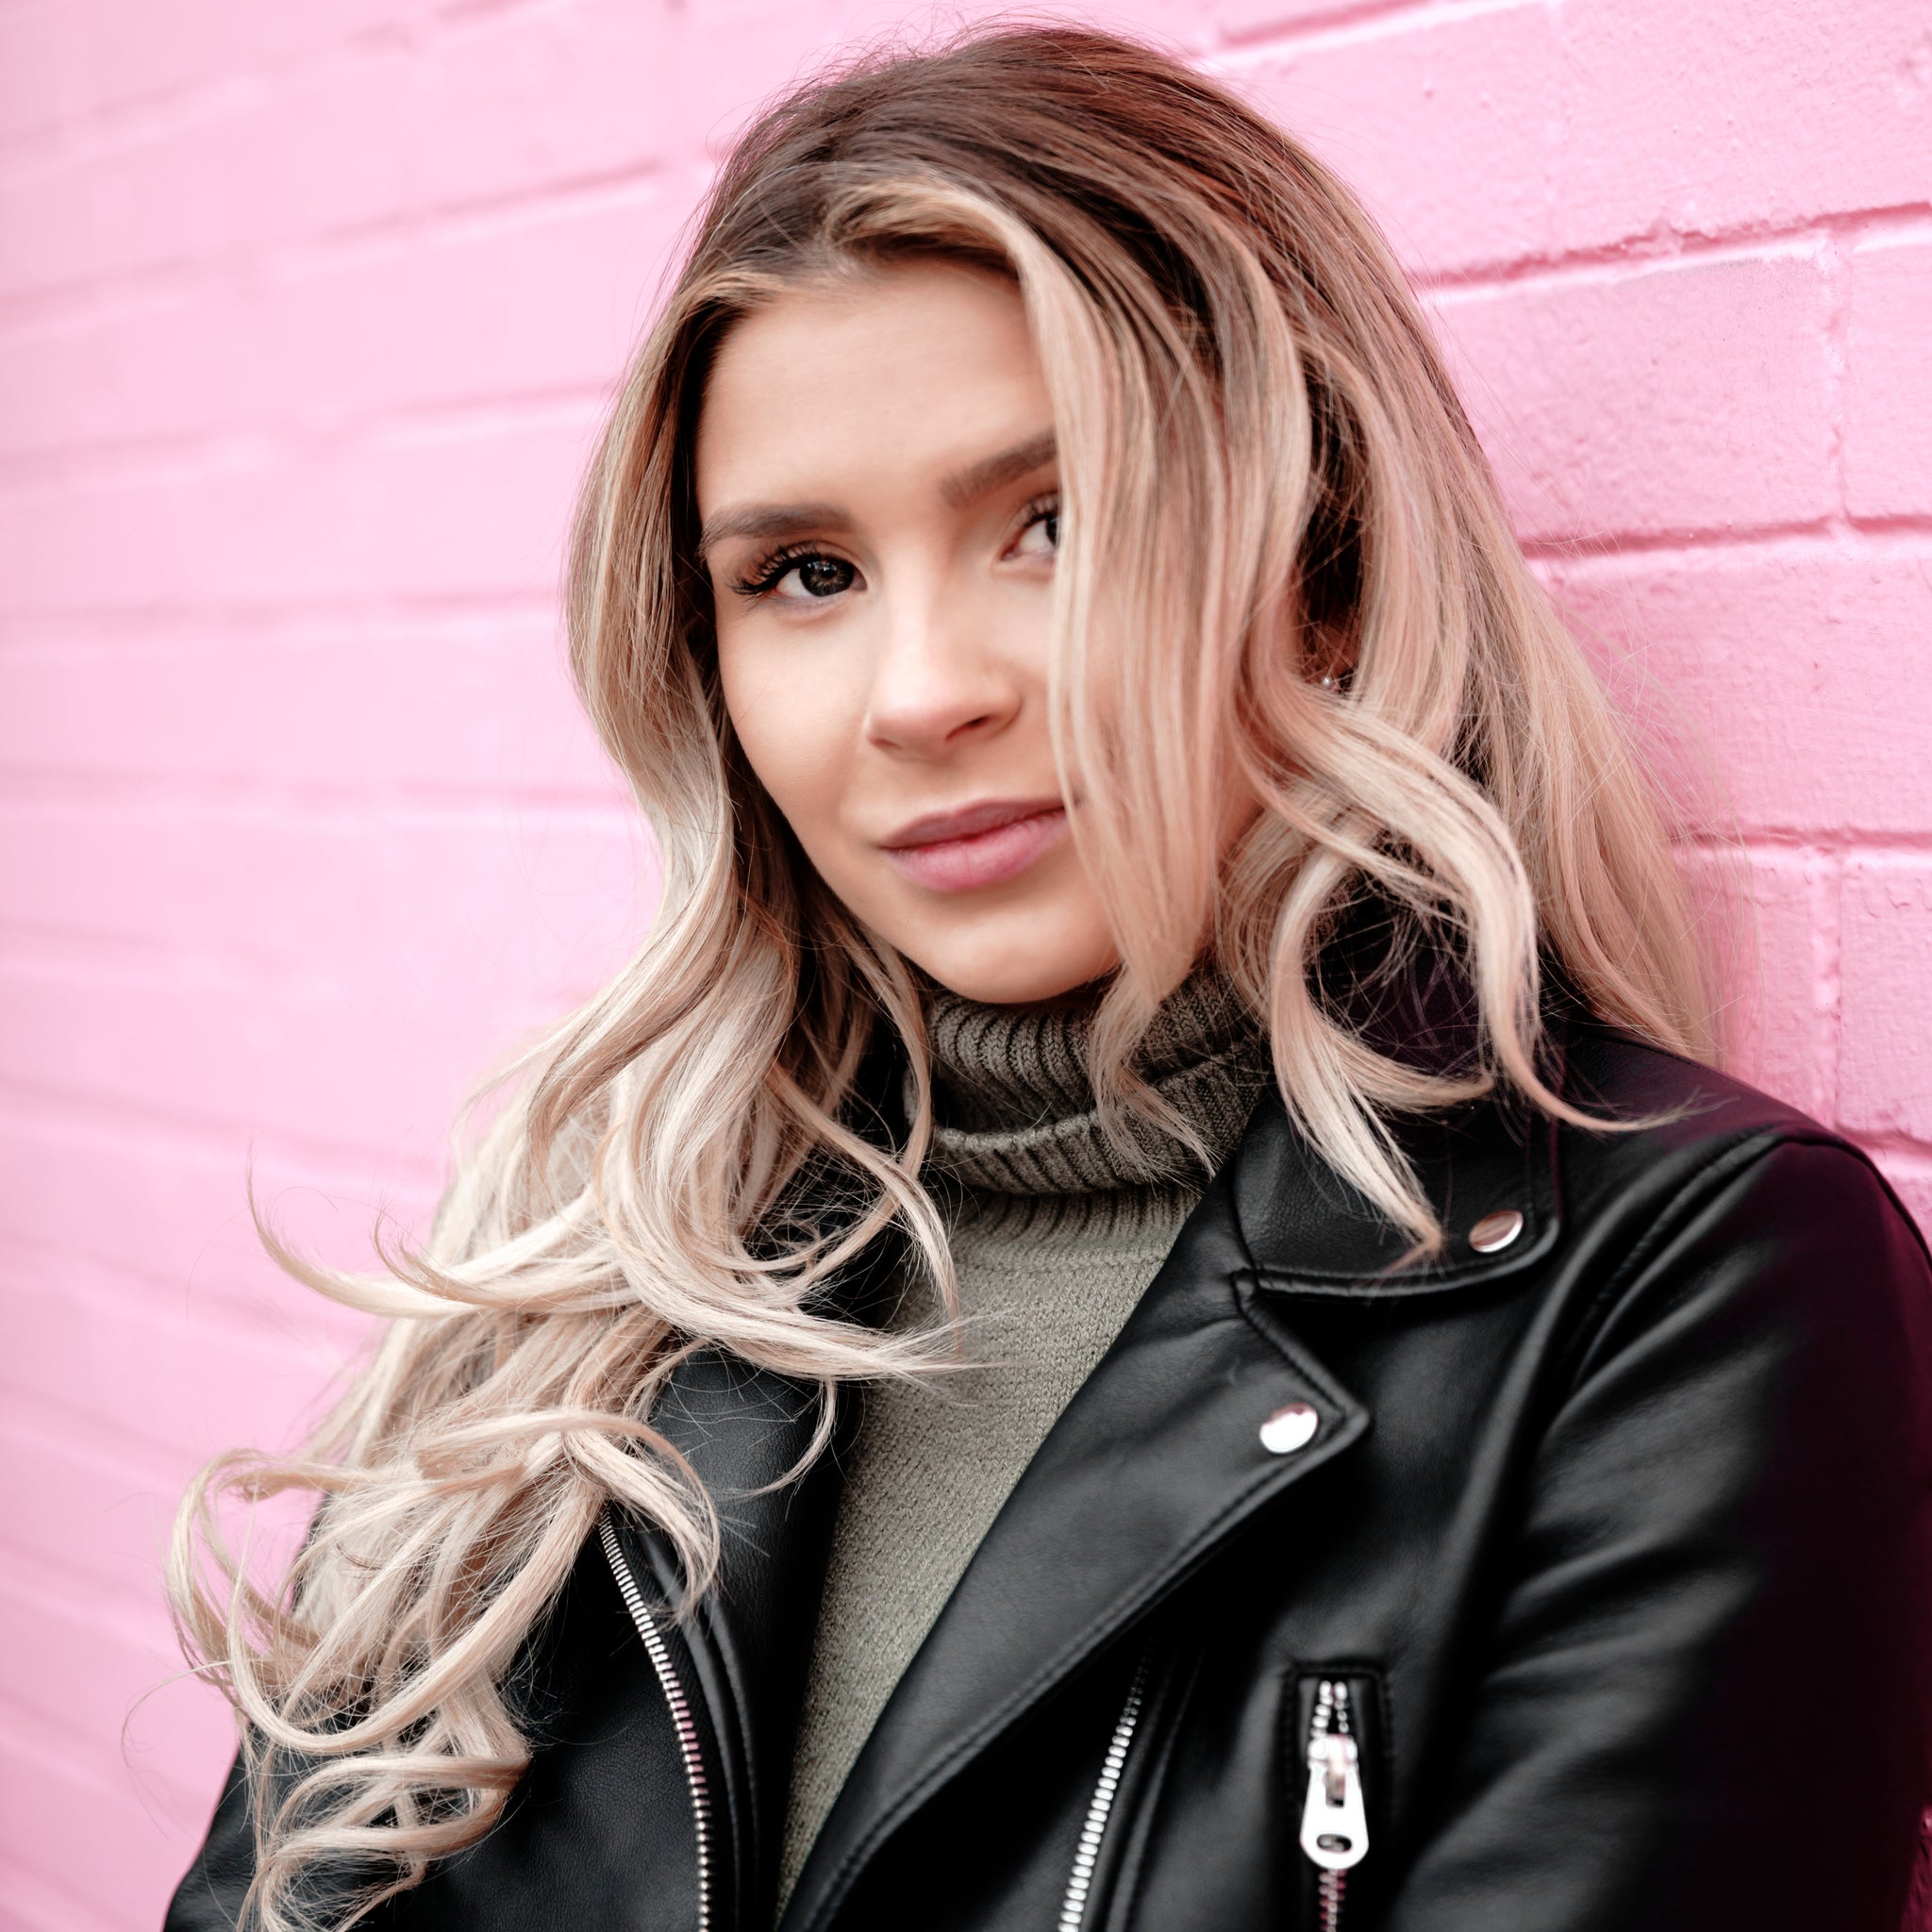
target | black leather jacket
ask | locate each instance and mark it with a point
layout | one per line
(1609, 1547)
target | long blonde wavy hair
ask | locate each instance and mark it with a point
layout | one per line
(1284, 569)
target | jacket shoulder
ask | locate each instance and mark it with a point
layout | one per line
(1684, 1102)
(1695, 1147)
(1672, 1130)
(1668, 1120)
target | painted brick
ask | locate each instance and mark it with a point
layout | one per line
(58, 1820)
(146, 1023)
(1726, 115)
(1444, 129)
(75, 60)
(30, 1902)
(155, 197)
(1885, 1071)
(1911, 1175)
(93, 1662)
(45, 78)
(45, 1828)
(95, 1344)
(407, 881)
(137, 372)
(474, 703)
(1762, 913)
(1252, 20)
(305, 312)
(1889, 381)
(91, 1507)
(543, 303)
(168, 1210)
(463, 506)
(1798, 672)
(1632, 404)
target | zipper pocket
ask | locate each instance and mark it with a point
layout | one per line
(676, 1703)
(1334, 1817)
(1100, 1807)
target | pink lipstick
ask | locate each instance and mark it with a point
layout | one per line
(982, 845)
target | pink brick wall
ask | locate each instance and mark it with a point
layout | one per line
(306, 314)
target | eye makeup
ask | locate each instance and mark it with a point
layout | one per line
(772, 570)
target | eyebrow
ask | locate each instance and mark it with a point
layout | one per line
(765, 521)
(963, 486)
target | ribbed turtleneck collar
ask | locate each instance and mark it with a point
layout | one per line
(1014, 1106)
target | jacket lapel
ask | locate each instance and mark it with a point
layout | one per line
(1156, 1462)
(1158, 1458)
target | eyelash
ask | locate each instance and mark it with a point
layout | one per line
(1043, 506)
(767, 571)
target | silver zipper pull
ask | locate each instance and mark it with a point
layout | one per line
(1335, 1821)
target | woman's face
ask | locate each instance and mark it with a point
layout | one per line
(877, 483)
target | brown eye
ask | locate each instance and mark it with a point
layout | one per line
(823, 576)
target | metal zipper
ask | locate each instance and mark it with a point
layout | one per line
(1335, 1821)
(679, 1705)
(1100, 1807)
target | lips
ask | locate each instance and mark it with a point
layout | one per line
(982, 845)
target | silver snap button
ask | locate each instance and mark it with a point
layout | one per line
(1495, 1230)
(1289, 1429)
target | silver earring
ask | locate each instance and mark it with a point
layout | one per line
(1328, 680)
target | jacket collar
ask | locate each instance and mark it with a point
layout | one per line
(1157, 1460)
(1309, 1232)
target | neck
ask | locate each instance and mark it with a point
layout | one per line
(1015, 1109)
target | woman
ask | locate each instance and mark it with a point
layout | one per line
(1139, 1312)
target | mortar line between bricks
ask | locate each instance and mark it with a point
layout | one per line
(1674, 542)
(143, 116)
(45, 469)
(1826, 891)
(1268, 36)
(159, 110)
(1838, 281)
(1836, 841)
(51, 473)
(1634, 254)
(1909, 1152)
(460, 218)
(132, 121)
(1820, 537)
(426, 224)
(1348, 26)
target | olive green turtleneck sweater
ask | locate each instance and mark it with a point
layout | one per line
(1055, 1233)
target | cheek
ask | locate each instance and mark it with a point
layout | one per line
(798, 725)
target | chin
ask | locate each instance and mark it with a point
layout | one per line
(1005, 967)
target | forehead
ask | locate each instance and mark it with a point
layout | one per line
(886, 375)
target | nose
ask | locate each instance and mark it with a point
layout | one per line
(935, 682)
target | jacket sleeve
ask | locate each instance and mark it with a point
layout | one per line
(1704, 1701)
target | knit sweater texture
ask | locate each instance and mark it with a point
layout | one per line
(1056, 1230)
